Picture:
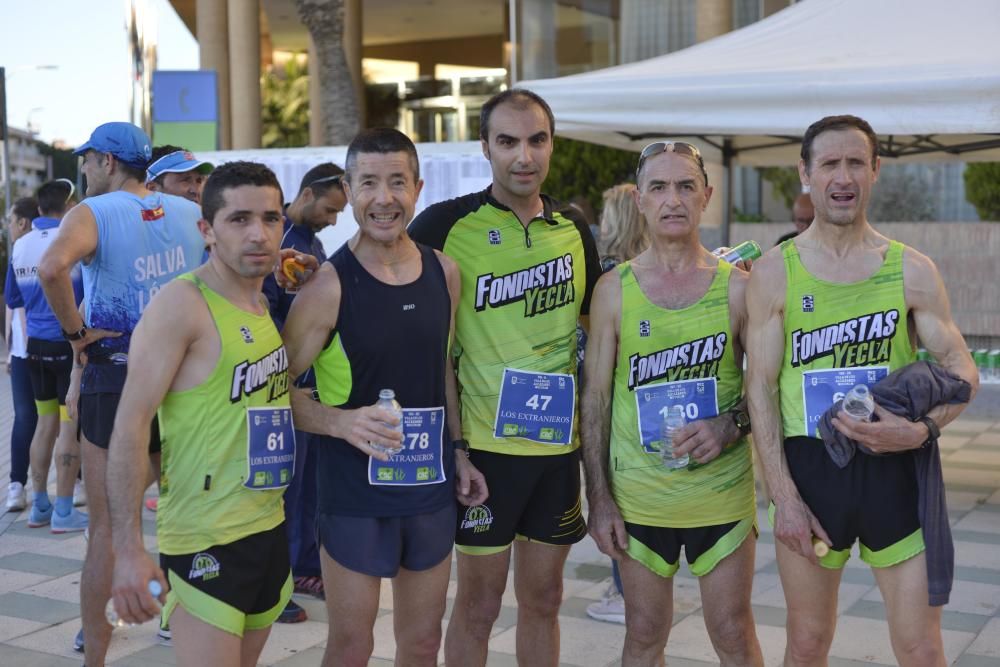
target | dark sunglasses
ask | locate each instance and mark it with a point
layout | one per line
(680, 147)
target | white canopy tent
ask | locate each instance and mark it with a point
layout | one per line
(924, 73)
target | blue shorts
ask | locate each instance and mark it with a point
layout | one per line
(379, 546)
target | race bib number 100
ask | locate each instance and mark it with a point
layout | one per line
(536, 406)
(697, 397)
(823, 388)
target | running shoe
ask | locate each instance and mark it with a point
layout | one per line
(292, 613)
(38, 518)
(164, 633)
(73, 522)
(610, 608)
(310, 586)
(78, 642)
(152, 503)
(17, 498)
(79, 494)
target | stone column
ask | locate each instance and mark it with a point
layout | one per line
(213, 46)
(353, 43)
(315, 96)
(244, 64)
(713, 18)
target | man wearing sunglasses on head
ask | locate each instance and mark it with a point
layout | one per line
(320, 200)
(176, 171)
(667, 331)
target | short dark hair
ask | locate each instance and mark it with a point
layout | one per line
(25, 208)
(53, 197)
(320, 179)
(233, 175)
(160, 151)
(842, 122)
(381, 140)
(520, 98)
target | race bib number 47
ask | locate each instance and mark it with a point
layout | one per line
(536, 406)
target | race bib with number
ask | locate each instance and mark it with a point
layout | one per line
(421, 460)
(536, 406)
(270, 448)
(823, 388)
(697, 397)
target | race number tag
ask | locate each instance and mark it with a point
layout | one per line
(421, 459)
(823, 388)
(536, 406)
(270, 448)
(697, 397)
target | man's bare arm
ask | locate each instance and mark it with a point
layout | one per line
(765, 304)
(604, 521)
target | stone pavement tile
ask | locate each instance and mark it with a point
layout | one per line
(974, 456)
(763, 582)
(763, 555)
(36, 608)
(58, 639)
(315, 609)
(994, 499)
(689, 640)
(310, 657)
(583, 642)
(53, 566)
(73, 547)
(950, 442)
(847, 595)
(969, 660)
(13, 543)
(65, 588)
(586, 551)
(990, 438)
(980, 521)
(867, 640)
(154, 656)
(967, 426)
(966, 597)
(595, 591)
(589, 571)
(977, 554)
(978, 575)
(11, 626)
(964, 501)
(988, 641)
(950, 620)
(771, 616)
(844, 662)
(980, 537)
(971, 476)
(15, 580)
(19, 657)
(287, 639)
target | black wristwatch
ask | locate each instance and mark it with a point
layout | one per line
(461, 445)
(933, 431)
(741, 419)
(78, 335)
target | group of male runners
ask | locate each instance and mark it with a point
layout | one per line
(469, 313)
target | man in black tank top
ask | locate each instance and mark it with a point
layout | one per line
(380, 315)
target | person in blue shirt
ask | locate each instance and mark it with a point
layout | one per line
(50, 363)
(319, 200)
(132, 242)
(176, 171)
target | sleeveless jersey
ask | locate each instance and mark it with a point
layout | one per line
(387, 337)
(143, 243)
(203, 497)
(831, 328)
(681, 354)
(25, 257)
(523, 291)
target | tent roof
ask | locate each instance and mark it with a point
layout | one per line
(925, 74)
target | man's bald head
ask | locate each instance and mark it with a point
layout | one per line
(803, 212)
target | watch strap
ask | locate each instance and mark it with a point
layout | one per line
(75, 335)
(933, 430)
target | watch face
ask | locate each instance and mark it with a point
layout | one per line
(742, 419)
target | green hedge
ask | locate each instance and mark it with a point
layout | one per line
(582, 170)
(982, 189)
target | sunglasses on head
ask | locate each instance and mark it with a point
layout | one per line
(679, 147)
(72, 188)
(326, 179)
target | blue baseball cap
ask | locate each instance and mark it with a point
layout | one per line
(125, 141)
(177, 162)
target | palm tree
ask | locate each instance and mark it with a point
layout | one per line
(285, 112)
(325, 21)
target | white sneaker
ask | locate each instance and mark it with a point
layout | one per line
(610, 608)
(79, 494)
(17, 498)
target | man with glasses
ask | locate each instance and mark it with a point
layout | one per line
(131, 242)
(802, 216)
(319, 201)
(176, 171)
(527, 274)
(667, 332)
(50, 361)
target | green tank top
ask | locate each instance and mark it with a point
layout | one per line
(205, 469)
(684, 357)
(838, 335)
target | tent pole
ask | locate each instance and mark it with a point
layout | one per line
(727, 167)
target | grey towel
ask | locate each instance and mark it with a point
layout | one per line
(911, 392)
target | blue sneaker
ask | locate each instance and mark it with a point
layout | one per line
(73, 522)
(38, 518)
(78, 642)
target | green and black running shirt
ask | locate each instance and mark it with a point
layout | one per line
(523, 291)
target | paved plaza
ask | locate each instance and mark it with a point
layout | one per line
(40, 577)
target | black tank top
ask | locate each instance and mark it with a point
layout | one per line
(393, 337)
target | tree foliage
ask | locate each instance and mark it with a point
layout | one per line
(982, 189)
(583, 170)
(285, 101)
(900, 196)
(785, 181)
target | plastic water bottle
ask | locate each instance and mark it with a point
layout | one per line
(387, 401)
(672, 421)
(859, 404)
(112, 615)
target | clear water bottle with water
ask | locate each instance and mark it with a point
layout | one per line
(387, 401)
(111, 613)
(859, 403)
(673, 420)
